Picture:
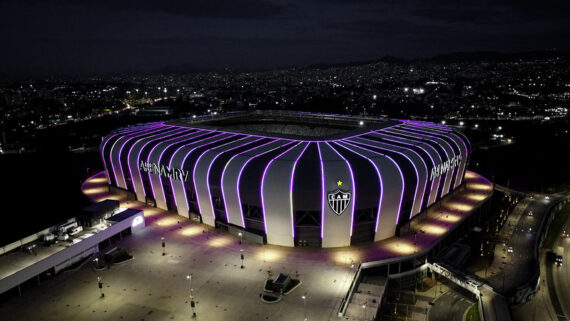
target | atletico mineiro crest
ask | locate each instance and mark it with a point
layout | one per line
(338, 201)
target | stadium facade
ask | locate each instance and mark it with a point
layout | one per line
(293, 178)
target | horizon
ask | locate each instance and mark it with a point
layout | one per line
(96, 37)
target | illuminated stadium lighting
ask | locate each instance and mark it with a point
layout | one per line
(346, 257)
(167, 221)
(190, 231)
(219, 241)
(97, 180)
(401, 247)
(470, 175)
(434, 229)
(291, 171)
(269, 255)
(449, 217)
(477, 197)
(480, 187)
(459, 206)
(97, 190)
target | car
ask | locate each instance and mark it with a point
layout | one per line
(547, 198)
(558, 260)
(510, 249)
(530, 213)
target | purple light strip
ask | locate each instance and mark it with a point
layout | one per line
(415, 169)
(342, 144)
(263, 181)
(103, 155)
(322, 193)
(203, 132)
(421, 146)
(241, 170)
(210, 166)
(140, 133)
(123, 134)
(431, 139)
(427, 172)
(129, 158)
(289, 139)
(221, 136)
(168, 134)
(191, 133)
(448, 134)
(196, 167)
(456, 134)
(353, 187)
(291, 190)
(382, 135)
(224, 174)
(401, 176)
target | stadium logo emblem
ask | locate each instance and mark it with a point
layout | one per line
(339, 200)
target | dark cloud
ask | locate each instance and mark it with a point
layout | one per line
(79, 36)
(221, 9)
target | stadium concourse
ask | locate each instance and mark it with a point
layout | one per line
(440, 219)
(205, 262)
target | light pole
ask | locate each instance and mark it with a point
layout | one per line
(96, 263)
(189, 278)
(240, 237)
(364, 307)
(241, 255)
(193, 306)
(163, 246)
(304, 297)
(100, 284)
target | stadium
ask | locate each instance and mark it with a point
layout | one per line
(290, 178)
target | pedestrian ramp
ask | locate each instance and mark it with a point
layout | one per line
(365, 301)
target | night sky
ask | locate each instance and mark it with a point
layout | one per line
(68, 37)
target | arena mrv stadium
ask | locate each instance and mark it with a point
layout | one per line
(296, 179)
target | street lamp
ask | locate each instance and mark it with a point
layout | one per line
(193, 306)
(240, 237)
(163, 246)
(189, 278)
(96, 263)
(364, 307)
(304, 297)
(100, 284)
(241, 255)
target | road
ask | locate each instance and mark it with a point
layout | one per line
(450, 306)
(559, 276)
(510, 270)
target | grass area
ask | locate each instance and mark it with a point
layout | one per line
(556, 227)
(472, 313)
